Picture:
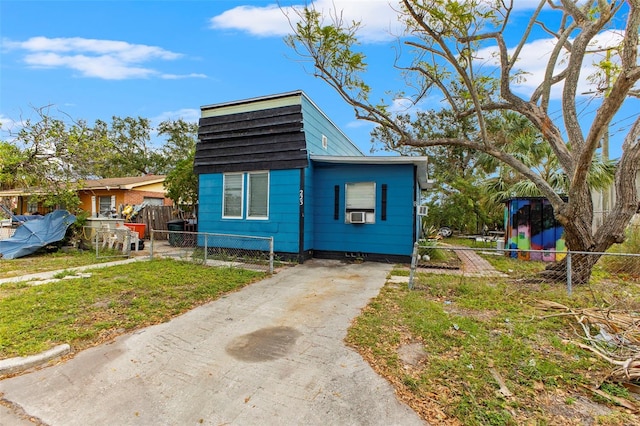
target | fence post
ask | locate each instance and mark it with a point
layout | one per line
(569, 272)
(151, 243)
(97, 252)
(414, 256)
(127, 241)
(271, 255)
(206, 245)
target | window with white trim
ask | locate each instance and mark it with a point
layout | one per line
(106, 204)
(233, 185)
(258, 195)
(360, 197)
(256, 186)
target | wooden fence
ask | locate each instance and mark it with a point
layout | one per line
(156, 217)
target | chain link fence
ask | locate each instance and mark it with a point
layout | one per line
(116, 243)
(239, 251)
(615, 269)
(6, 232)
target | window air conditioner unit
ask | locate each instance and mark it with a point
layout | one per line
(423, 210)
(357, 217)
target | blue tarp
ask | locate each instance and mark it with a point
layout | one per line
(36, 233)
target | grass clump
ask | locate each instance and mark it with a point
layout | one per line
(616, 263)
(431, 254)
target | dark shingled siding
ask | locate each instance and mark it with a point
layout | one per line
(271, 139)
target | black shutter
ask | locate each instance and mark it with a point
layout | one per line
(383, 213)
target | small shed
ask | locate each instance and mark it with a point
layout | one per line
(530, 225)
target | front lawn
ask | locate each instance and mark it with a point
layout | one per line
(84, 312)
(479, 351)
(44, 262)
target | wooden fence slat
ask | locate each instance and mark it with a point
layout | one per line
(156, 217)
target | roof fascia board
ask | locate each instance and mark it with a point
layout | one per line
(420, 162)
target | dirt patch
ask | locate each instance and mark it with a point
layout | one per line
(574, 410)
(483, 316)
(265, 344)
(412, 354)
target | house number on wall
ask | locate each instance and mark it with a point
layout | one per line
(302, 197)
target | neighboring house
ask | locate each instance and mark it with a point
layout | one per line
(604, 200)
(101, 196)
(98, 197)
(276, 166)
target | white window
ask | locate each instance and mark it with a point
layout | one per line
(233, 193)
(258, 195)
(325, 143)
(360, 197)
(106, 204)
(257, 198)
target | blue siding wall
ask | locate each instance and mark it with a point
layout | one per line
(283, 222)
(395, 236)
(316, 124)
(309, 208)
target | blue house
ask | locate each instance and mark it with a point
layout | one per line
(277, 166)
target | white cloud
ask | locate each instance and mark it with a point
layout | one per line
(105, 59)
(535, 55)
(126, 51)
(105, 67)
(187, 114)
(7, 124)
(182, 76)
(377, 16)
(401, 105)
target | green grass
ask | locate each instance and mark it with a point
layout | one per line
(624, 264)
(457, 241)
(514, 267)
(43, 262)
(87, 311)
(469, 326)
(432, 254)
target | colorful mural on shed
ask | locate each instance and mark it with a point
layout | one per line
(530, 225)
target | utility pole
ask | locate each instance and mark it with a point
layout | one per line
(607, 193)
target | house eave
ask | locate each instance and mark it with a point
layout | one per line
(127, 186)
(419, 162)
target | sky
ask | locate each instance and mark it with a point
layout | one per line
(161, 60)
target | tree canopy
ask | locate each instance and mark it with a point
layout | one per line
(52, 156)
(458, 52)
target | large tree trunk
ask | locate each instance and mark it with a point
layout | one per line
(576, 217)
(581, 267)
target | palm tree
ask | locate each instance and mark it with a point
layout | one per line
(517, 136)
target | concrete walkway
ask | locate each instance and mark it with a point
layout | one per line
(43, 277)
(473, 265)
(269, 354)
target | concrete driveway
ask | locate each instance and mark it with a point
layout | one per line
(272, 353)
